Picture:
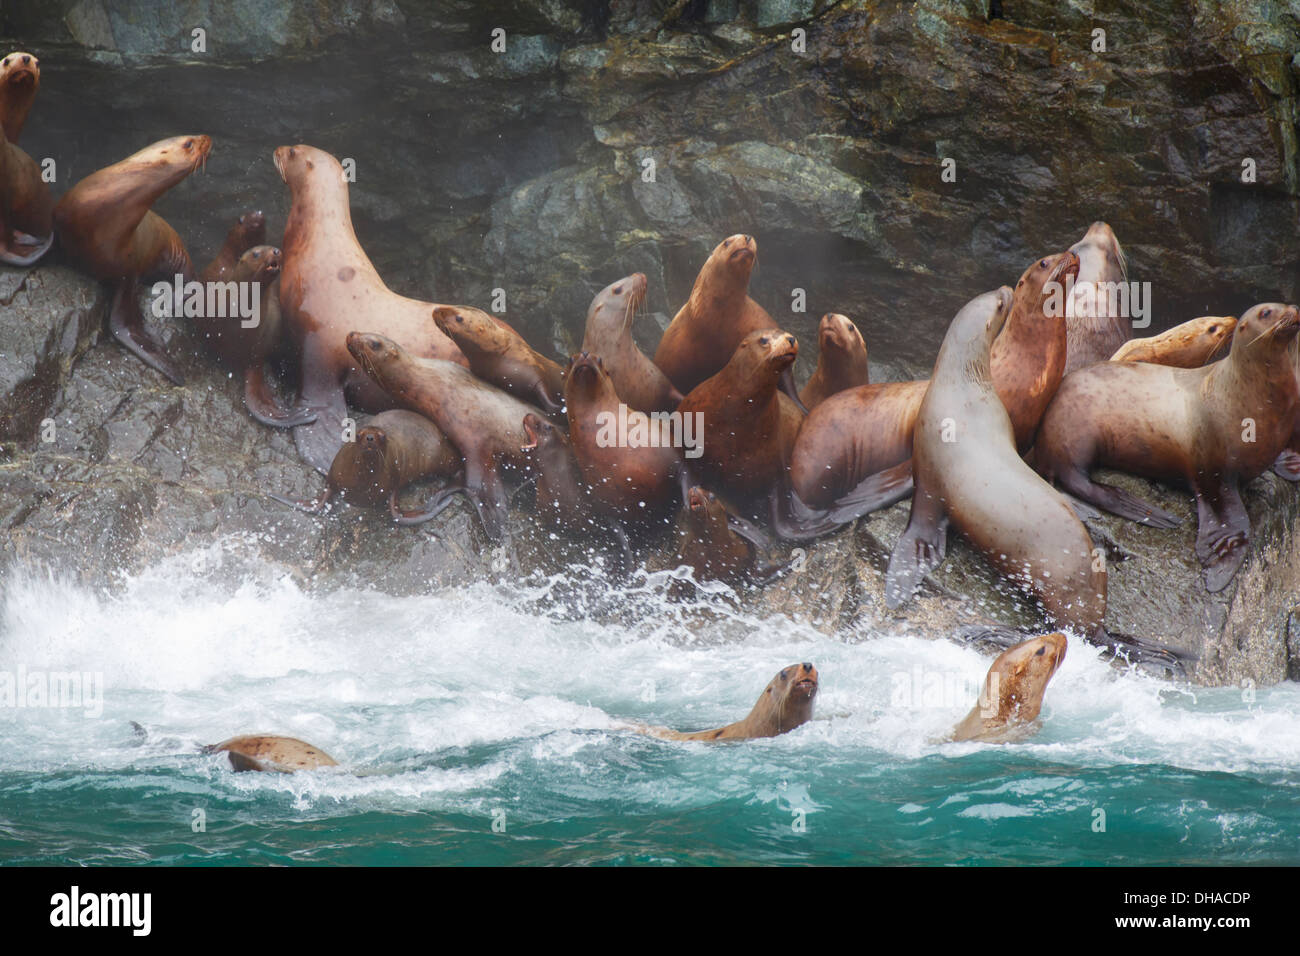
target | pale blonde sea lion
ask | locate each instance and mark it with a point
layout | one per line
(1013, 690)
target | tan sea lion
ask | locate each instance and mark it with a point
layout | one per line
(26, 207)
(106, 226)
(841, 360)
(247, 232)
(638, 381)
(853, 454)
(1012, 695)
(1095, 329)
(499, 355)
(1190, 345)
(719, 546)
(1212, 428)
(270, 754)
(392, 450)
(329, 288)
(20, 80)
(968, 471)
(483, 422)
(1288, 461)
(786, 703)
(706, 331)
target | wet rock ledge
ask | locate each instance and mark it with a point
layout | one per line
(135, 469)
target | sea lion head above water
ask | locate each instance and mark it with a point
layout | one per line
(1012, 694)
(786, 703)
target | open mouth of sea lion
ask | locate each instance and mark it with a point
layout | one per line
(697, 499)
(1068, 266)
(530, 429)
(23, 77)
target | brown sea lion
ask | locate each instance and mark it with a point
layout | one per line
(631, 461)
(563, 498)
(270, 754)
(26, 207)
(20, 79)
(247, 232)
(392, 450)
(841, 360)
(483, 422)
(329, 288)
(719, 546)
(1213, 429)
(706, 331)
(1190, 345)
(1094, 327)
(1012, 695)
(106, 226)
(853, 454)
(1288, 461)
(638, 381)
(786, 703)
(499, 355)
(968, 471)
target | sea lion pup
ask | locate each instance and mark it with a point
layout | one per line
(270, 754)
(483, 422)
(1190, 345)
(106, 226)
(500, 356)
(329, 288)
(718, 546)
(853, 454)
(20, 80)
(248, 231)
(635, 474)
(638, 381)
(786, 703)
(841, 360)
(706, 331)
(749, 430)
(392, 450)
(1012, 694)
(1094, 327)
(968, 471)
(1213, 428)
(26, 207)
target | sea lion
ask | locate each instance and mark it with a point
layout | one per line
(1288, 461)
(106, 226)
(719, 546)
(704, 334)
(786, 703)
(841, 360)
(1094, 330)
(247, 232)
(853, 454)
(499, 355)
(329, 288)
(635, 473)
(392, 450)
(1190, 345)
(483, 422)
(1212, 428)
(26, 207)
(1012, 695)
(563, 497)
(20, 80)
(270, 754)
(638, 381)
(968, 471)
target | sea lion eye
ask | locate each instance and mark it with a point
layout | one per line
(1043, 264)
(785, 674)
(293, 151)
(1264, 314)
(618, 290)
(1040, 652)
(189, 144)
(725, 243)
(763, 340)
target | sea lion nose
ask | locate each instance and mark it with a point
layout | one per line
(790, 339)
(27, 59)
(807, 667)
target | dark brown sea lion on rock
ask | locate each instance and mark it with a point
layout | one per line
(1213, 429)
(719, 546)
(499, 355)
(329, 288)
(786, 703)
(1190, 345)
(270, 754)
(1095, 324)
(638, 381)
(106, 226)
(1012, 695)
(20, 80)
(26, 207)
(841, 360)
(248, 231)
(716, 318)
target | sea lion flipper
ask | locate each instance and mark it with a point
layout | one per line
(787, 385)
(1116, 500)
(1287, 465)
(920, 549)
(263, 405)
(874, 492)
(488, 493)
(13, 258)
(1172, 662)
(792, 520)
(127, 326)
(319, 441)
(749, 531)
(1222, 534)
(435, 506)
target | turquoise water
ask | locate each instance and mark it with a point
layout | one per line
(501, 703)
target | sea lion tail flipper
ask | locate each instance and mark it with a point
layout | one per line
(787, 385)
(1139, 652)
(488, 494)
(1222, 535)
(792, 520)
(127, 326)
(920, 549)
(37, 246)
(1287, 465)
(1116, 500)
(990, 636)
(319, 441)
(749, 531)
(435, 506)
(1081, 508)
(263, 405)
(874, 492)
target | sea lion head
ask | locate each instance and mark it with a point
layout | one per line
(730, 264)
(974, 328)
(542, 434)
(248, 231)
(1100, 240)
(374, 353)
(787, 701)
(1207, 334)
(21, 72)
(299, 165)
(469, 327)
(180, 155)
(260, 263)
(619, 300)
(1045, 282)
(763, 356)
(1013, 690)
(704, 510)
(1263, 329)
(586, 371)
(837, 333)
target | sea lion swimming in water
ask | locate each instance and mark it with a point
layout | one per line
(500, 356)
(1012, 694)
(638, 381)
(106, 226)
(786, 703)
(269, 754)
(1190, 345)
